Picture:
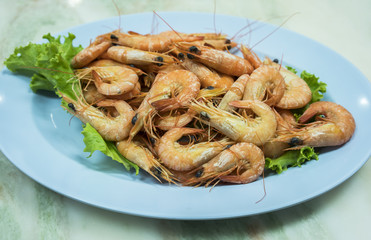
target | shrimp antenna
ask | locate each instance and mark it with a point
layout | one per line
(214, 20)
(118, 12)
(168, 25)
(287, 19)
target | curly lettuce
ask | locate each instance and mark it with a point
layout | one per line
(293, 158)
(48, 65)
(94, 142)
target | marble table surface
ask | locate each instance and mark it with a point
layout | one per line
(30, 211)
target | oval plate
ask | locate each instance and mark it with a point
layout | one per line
(42, 140)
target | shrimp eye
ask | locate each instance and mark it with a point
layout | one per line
(190, 56)
(159, 60)
(228, 146)
(199, 173)
(210, 87)
(275, 60)
(227, 41)
(194, 49)
(114, 37)
(229, 47)
(134, 119)
(204, 116)
(72, 107)
(181, 56)
(295, 141)
(153, 141)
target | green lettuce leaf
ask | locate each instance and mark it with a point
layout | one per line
(48, 64)
(317, 87)
(294, 158)
(94, 142)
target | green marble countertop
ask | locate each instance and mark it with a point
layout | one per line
(30, 211)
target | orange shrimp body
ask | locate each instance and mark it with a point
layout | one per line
(138, 57)
(208, 77)
(240, 163)
(152, 42)
(297, 93)
(265, 84)
(183, 84)
(235, 93)
(334, 126)
(221, 61)
(238, 128)
(186, 157)
(140, 155)
(89, 54)
(110, 128)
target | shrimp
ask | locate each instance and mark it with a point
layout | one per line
(221, 61)
(109, 63)
(219, 44)
(114, 80)
(240, 129)
(92, 96)
(240, 163)
(266, 83)
(186, 157)
(250, 56)
(156, 42)
(181, 82)
(172, 120)
(138, 57)
(334, 126)
(208, 77)
(140, 155)
(111, 129)
(297, 93)
(89, 54)
(235, 93)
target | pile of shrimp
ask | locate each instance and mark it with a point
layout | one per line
(187, 110)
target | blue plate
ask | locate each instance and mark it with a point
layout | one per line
(42, 140)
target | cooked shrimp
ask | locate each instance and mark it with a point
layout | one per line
(89, 54)
(235, 93)
(109, 63)
(152, 42)
(221, 61)
(334, 126)
(138, 57)
(265, 84)
(183, 84)
(111, 129)
(219, 44)
(92, 96)
(240, 163)
(297, 92)
(112, 80)
(208, 77)
(140, 155)
(241, 129)
(251, 56)
(175, 120)
(186, 157)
